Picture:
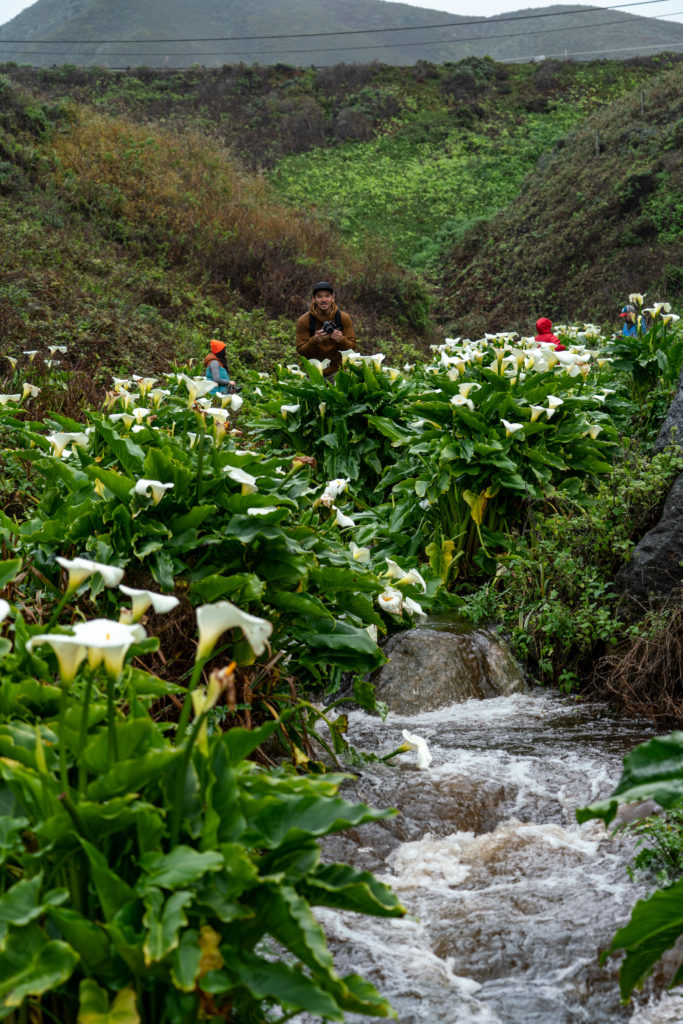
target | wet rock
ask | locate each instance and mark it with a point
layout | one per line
(656, 564)
(672, 428)
(429, 669)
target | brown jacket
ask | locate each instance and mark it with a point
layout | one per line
(309, 346)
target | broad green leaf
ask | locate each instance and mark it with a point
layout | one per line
(93, 1007)
(182, 866)
(120, 485)
(90, 942)
(339, 885)
(277, 981)
(112, 892)
(186, 961)
(164, 919)
(129, 454)
(31, 965)
(654, 770)
(9, 569)
(132, 775)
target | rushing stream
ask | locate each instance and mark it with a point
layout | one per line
(510, 901)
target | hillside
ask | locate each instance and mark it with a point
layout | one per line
(601, 216)
(169, 33)
(135, 246)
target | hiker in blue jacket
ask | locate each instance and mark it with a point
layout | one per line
(217, 368)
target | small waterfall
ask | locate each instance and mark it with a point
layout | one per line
(510, 901)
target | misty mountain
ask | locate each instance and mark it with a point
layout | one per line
(171, 33)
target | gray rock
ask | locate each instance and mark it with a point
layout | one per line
(672, 428)
(429, 669)
(656, 564)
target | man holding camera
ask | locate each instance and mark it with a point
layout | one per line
(325, 331)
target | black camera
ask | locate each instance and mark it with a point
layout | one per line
(329, 327)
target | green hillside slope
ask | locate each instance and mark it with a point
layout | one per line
(136, 245)
(169, 33)
(600, 217)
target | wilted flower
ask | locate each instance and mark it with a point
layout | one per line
(333, 489)
(155, 488)
(413, 742)
(214, 619)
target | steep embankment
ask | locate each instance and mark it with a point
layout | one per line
(137, 244)
(601, 216)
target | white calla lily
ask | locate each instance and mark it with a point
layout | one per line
(6, 399)
(69, 650)
(143, 599)
(108, 641)
(214, 619)
(417, 743)
(287, 409)
(512, 428)
(239, 476)
(391, 600)
(359, 554)
(332, 491)
(30, 391)
(81, 569)
(343, 521)
(4, 609)
(152, 488)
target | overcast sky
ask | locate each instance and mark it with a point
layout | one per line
(672, 10)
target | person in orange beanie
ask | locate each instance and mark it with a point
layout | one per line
(216, 364)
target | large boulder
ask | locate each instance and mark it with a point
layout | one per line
(429, 669)
(655, 568)
(656, 565)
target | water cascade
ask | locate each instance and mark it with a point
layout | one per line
(509, 900)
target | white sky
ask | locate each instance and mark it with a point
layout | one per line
(671, 10)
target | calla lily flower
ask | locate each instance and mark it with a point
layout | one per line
(239, 476)
(143, 599)
(6, 399)
(60, 440)
(157, 394)
(30, 390)
(359, 554)
(145, 384)
(413, 742)
(139, 412)
(536, 411)
(395, 572)
(319, 364)
(155, 488)
(322, 407)
(461, 400)
(196, 388)
(554, 402)
(121, 382)
(343, 522)
(285, 409)
(53, 362)
(12, 361)
(127, 418)
(636, 299)
(107, 641)
(214, 619)
(670, 318)
(594, 430)
(4, 609)
(391, 600)
(81, 569)
(31, 353)
(53, 349)
(512, 428)
(69, 650)
(332, 491)
(414, 608)
(235, 402)
(468, 386)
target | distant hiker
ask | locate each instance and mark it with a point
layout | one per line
(630, 326)
(545, 335)
(325, 331)
(216, 364)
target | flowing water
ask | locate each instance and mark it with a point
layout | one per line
(509, 900)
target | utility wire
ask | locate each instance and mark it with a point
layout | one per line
(375, 46)
(347, 32)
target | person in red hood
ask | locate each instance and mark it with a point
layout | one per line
(545, 335)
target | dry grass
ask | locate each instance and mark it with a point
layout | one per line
(644, 674)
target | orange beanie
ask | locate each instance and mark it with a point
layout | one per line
(217, 346)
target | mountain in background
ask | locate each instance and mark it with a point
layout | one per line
(216, 32)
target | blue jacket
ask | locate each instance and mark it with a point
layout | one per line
(630, 330)
(216, 371)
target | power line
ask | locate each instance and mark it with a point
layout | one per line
(345, 32)
(375, 46)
